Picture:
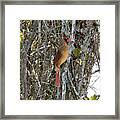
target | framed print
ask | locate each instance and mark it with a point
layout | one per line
(60, 59)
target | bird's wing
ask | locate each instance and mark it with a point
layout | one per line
(58, 56)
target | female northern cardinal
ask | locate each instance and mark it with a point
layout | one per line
(61, 57)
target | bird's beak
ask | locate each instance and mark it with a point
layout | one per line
(68, 40)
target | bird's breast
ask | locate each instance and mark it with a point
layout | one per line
(63, 56)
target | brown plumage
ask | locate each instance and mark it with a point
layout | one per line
(60, 58)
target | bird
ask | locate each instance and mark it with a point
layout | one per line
(61, 57)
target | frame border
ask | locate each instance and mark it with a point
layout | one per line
(2, 59)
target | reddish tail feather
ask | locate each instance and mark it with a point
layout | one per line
(58, 78)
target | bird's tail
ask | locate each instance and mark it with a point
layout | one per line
(58, 78)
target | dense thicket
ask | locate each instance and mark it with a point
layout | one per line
(39, 42)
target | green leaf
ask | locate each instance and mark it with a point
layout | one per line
(94, 97)
(76, 52)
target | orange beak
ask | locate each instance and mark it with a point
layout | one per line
(68, 40)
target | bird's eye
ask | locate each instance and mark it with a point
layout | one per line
(66, 40)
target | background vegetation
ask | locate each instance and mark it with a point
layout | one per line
(39, 42)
